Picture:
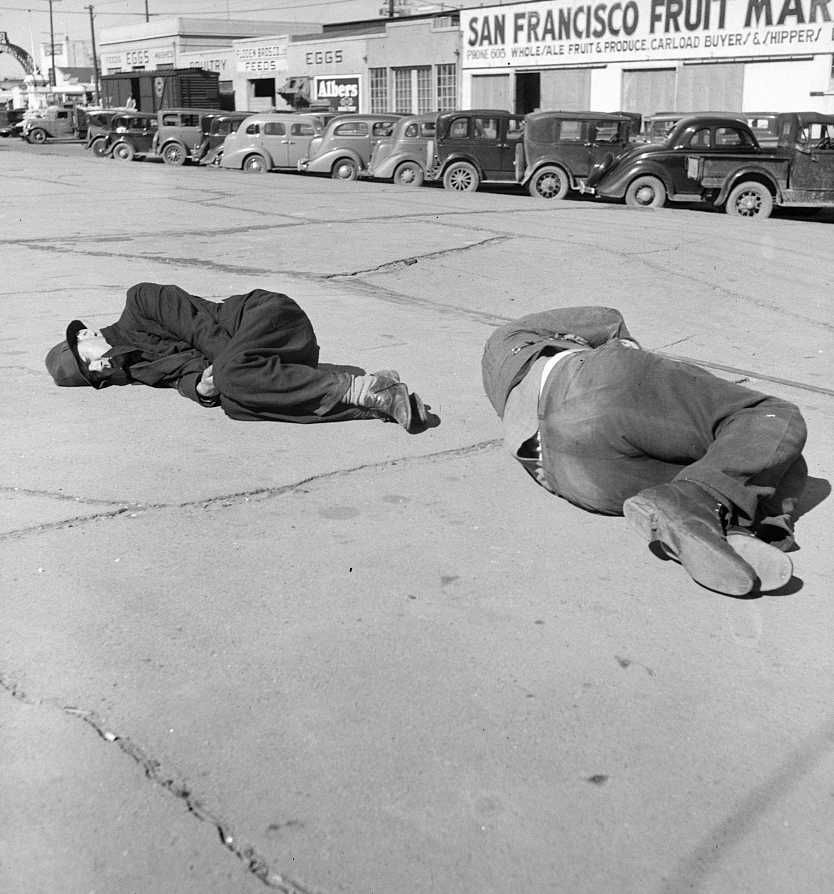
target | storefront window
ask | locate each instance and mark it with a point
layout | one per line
(413, 90)
(263, 87)
(402, 90)
(379, 90)
(446, 86)
(424, 98)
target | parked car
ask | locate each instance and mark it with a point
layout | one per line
(344, 147)
(272, 141)
(51, 123)
(11, 122)
(559, 149)
(474, 147)
(404, 156)
(763, 125)
(718, 160)
(132, 135)
(215, 128)
(98, 126)
(178, 133)
(657, 127)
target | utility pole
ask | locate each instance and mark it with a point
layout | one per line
(96, 81)
(52, 42)
(147, 14)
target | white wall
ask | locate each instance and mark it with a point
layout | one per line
(784, 86)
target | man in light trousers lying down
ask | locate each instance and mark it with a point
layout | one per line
(710, 470)
(255, 355)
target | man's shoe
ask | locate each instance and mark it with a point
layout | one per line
(772, 566)
(388, 398)
(688, 523)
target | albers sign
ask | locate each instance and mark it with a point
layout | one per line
(566, 32)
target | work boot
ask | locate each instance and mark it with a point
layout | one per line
(773, 567)
(688, 522)
(382, 396)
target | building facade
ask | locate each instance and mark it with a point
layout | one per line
(649, 55)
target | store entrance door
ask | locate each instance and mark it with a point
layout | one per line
(528, 92)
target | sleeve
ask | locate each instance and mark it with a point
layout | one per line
(177, 314)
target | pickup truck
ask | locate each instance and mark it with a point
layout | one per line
(716, 159)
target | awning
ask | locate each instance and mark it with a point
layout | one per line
(296, 90)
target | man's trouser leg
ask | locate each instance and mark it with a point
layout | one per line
(616, 420)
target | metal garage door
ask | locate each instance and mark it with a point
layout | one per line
(490, 91)
(566, 88)
(717, 88)
(649, 90)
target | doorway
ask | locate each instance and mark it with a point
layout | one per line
(528, 92)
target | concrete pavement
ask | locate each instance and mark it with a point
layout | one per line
(342, 658)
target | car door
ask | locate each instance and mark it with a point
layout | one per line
(574, 142)
(812, 166)
(298, 143)
(274, 141)
(681, 163)
(488, 145)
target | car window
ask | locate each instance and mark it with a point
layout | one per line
(459, 127)
(302, 129)
(383, 128)
(351, 129)
(275, 128)
(570, 130)
(817, 135)
(62, 115)
(253, 128)
(604, 131)
(515, 128)
(485, 128)
(168, 120)
(412, 130)
(731, 136)
(699, 139)
(429, 129)
(190, 120)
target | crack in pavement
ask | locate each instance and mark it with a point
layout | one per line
(174, 784)
(399, 263)
(226, 500)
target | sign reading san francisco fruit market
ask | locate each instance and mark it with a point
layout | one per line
(567, 32)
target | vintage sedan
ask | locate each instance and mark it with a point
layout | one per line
(132, 135)
(476, 146)
(271, 141)
(215, 128)
(404, 156)
(649, 174)
(344, 148)
(561, 148)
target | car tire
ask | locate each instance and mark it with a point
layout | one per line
(174, 154)
(99, 147)
(646, 192)
(254, 164)
(409, 173)
(123, 151)
(751, 200)
(37, 135)
(549, 182)
(461, 177)
(344, 169)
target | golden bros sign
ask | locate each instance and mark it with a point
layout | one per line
(567, 32)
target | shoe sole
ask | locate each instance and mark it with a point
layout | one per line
(702, 557)
(773, 567)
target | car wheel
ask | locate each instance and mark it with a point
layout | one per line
(550, 182)
(462, 177)
(38, 135)
(646, 192)
(254, 164)
(344, 169)
(409, 173)
(99, 147)
(123, 151)
(173, 154)
(750, 200)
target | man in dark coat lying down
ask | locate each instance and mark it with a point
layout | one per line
(255, 355)
(709, 470)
